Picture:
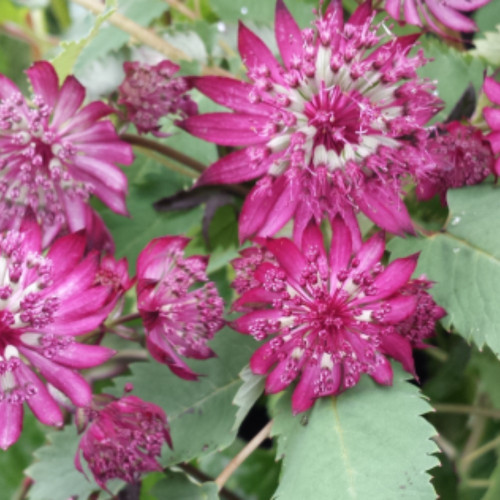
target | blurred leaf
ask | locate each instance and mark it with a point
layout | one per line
(31, 4)
(148, 180)
(111, 38)
(493, 492)
(487, 17)
(489, 47)
(465, 106)
(255, 479)
(261, 11)
(464, 261)
(370, 442)
(488, 368)
(248, 394)
(19, 456)
(10, 11)
(54, 473)
(453, 71)
(178, 487)
(201, 414)
(65, 61)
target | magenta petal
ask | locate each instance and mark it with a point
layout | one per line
(232, 169)
(395, 275)
(371, 252)
(278, 380)
(82, 356)
(411, 13)
(382, 372)
(393, 7)
(165, 354)
(284, 204)
(7, 87)
(233, 94)
(467, 5)
(303, 395)
(227, 129)
(312, 241)
(42, 404)
(450, 17)
(249, 322)
(492, 89)
(401, 308)
(289, 257)
(102, 171)
(263, 358)
(66, 252)
(288, 34)
(341, 249)
(385, 209)
(255, 53)
(254, 297)
(86, 117)
(32, 233)
(44, 81)
(256, 207)
(492, 116)
(400, 349)
(11, 417)
(70, 98)
(361, 14)
(494, 140)
(67, 381)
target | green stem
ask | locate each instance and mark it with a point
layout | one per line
(467, 409)
(478, 452)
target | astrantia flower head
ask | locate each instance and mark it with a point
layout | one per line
(46, 302)
(329, 317)
(123, 438)
(331, 131)
(181, 310)
(151, 92)
(457, 155)
(447, 13)
(54, 154)
(492, 116)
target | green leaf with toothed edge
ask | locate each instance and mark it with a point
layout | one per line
(464, 262)
(369, 442)
(201, 414)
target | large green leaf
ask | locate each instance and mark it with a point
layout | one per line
(453, 71)
(18, 456)
(368, 443)
(178, 487)
(65, 61)
(464, 261)
(201, 414)
(149, 180)
(54, 474)
(111, 38)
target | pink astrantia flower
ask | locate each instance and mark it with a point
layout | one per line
(151, 92)
(178, 319)
(426, 12)
(492, 116)
(457, 155)
(328, 317)
(47, 301)
(332, 130)
(123, 438)
(54, 154)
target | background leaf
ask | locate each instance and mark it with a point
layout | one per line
(201, 414)
(179, 487)
(370, 442)
(464, 261)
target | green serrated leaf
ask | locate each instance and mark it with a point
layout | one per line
(493, 492)
(111, 38)
(464, 261)
(452, 70)
(54, 473)
(370, 442)
(489, 47)
(248, 394)
(201, 414)
(65, 61)
(179, 487)
(19, 456)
